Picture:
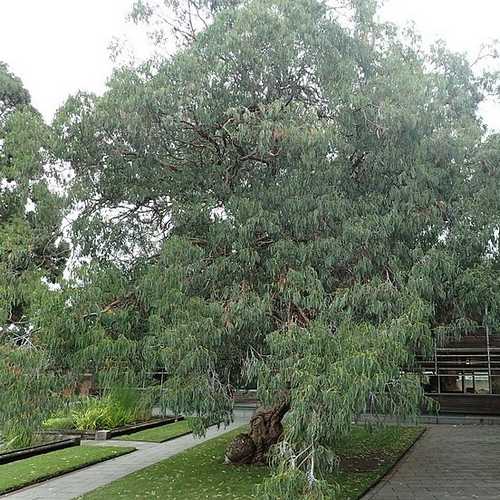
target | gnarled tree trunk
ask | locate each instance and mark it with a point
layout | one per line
(265, 431)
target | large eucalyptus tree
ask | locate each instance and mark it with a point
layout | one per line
(299, 196)
(31, 256)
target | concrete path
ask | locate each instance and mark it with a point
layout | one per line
(449, 462)
(78, 483)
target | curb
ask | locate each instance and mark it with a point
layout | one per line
(14, 456)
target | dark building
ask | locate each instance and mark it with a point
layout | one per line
(464, 375)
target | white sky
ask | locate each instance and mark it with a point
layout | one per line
(60, 46)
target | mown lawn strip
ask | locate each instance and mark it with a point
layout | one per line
(159, 434)
(22, 473)
(200, 472)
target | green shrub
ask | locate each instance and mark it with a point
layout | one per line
(15, 437)
(128, 405)
(120, 407)
(58, 423)
(91, 414)
(119, 416)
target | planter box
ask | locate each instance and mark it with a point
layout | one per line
(103, 434)
(69, 433)
(12, 456)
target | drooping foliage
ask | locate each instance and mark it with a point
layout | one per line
(30, 255)
(299, 197)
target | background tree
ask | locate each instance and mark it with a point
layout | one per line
(297, 197)
(30, 255)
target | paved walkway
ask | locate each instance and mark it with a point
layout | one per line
(449, 462)
(78, 483)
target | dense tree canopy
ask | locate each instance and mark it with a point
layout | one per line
(299, 197)
(30, 219)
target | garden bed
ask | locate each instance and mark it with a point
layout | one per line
(200, 471)
(111, 433)
(22, 473)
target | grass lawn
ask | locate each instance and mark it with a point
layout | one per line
(25, 472)
(199, 473)
(159, 434)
